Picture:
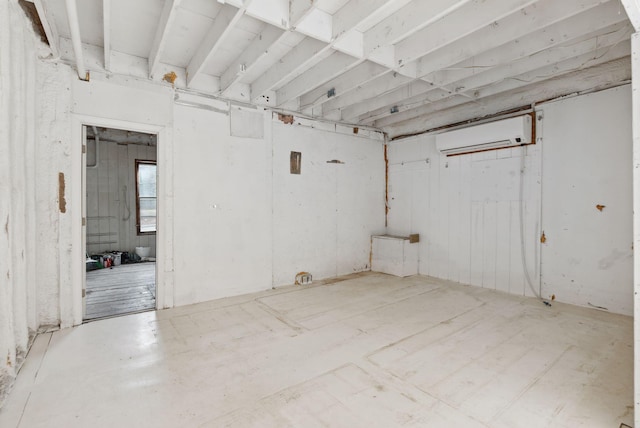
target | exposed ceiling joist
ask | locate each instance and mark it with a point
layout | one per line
(576, 28)
(354, 13)
(558, 57)
(167, 18)
(388, 63)
(216, 38)
(555, 42)
(406, 21)
(106, 25)
(346, 38)
(368, 90)
(299, 58)
(337, 64)
(461, 22)
(258, 49)
(296, 11)
(500, 32)
(386, 101)
(633, 12)
(343, 84)
(49, 25)
(594, 78)
(516, 82)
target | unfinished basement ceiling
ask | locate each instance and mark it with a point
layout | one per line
(398, 65)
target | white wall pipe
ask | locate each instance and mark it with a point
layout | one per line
(74, 28)
(96, 140)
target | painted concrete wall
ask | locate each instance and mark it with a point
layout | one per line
(466, 208)
(111, 198)
(588, 257)
(467, 212)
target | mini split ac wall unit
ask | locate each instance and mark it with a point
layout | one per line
(493, 135)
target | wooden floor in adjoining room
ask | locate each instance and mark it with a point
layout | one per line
(371, 350)
(121, 289)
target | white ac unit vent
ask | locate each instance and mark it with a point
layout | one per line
(493, 135)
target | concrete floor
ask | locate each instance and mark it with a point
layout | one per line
(369, 351)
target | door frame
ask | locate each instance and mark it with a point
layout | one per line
(164, 289)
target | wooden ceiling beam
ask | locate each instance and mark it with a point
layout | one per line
(215, 39)
(167, 18)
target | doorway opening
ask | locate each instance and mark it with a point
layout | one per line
(120, 228)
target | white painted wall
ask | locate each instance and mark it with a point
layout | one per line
(588, 256)
(222, 217)
(53, 140)
(216, 225)
(323, 218)
(466, 208)
(467, 212)
(111, 198)
(18, 307)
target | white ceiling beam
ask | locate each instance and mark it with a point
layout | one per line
(515, 76)
(284, 14)
(406, 21)
(325, 71)
(594, 78)
(409, 110)
(530, 19)
(236, 3)
(517, 56)
(274, 12)
(582, 26)
(344, 83)
(355, 12)
(633, 12)
(375, 88)
(257, 50)
(588, 48)
(412, 102)
(262, 45)
(167, 18)
(299, 57)
(317, 24)
(601, 55)
(386, 101)
(298, 10)
(350, 43)
(217, 36)
(350, 16)
(106, 27)
(74, 30)
(461, 22)
(566, 57)
(49, 26)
